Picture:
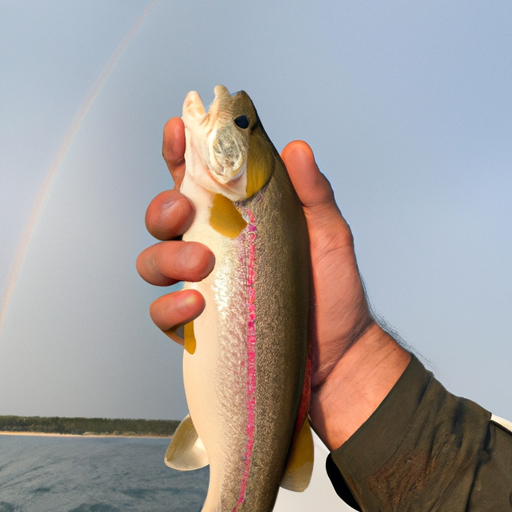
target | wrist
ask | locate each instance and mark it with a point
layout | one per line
(357, 385)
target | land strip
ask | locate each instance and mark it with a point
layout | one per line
(38, 425)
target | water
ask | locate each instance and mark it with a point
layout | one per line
(92, 474)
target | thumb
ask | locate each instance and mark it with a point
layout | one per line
(312, 187)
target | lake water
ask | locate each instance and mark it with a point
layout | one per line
(94, 474)
(73, 474)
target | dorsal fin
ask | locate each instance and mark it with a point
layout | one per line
(186, 450)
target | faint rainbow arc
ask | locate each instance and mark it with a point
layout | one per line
(72, 132)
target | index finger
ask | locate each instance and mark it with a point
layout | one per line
(173, 149)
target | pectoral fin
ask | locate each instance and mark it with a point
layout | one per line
(184, 335)
(186, 450)
(300, 461)
(225, 218)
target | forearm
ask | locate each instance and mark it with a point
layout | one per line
(357, 385)
(425, 449)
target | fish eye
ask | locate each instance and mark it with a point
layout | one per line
(242, 122)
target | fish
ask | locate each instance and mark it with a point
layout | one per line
(246, 365)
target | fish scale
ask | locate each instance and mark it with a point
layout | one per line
(244, 375)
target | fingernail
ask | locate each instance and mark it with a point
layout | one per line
(189, 301)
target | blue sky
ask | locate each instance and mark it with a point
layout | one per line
(409, 111)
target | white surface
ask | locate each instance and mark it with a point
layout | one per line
(503, 422)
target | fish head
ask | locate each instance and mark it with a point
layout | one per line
(228, 151)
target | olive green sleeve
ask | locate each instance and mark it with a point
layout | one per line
(425, 449)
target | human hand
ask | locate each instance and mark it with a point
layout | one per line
(355, 363)
(168, 216)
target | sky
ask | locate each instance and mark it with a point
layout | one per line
(407, 105)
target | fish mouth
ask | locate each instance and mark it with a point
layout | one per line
(193, 109)
(221, 146)
(221, 93)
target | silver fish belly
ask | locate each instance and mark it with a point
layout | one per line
(245, 359)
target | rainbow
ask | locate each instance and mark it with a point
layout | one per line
(44, 192)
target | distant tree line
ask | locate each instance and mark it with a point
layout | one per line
(97, 426)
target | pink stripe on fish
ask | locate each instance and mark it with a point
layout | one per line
(251, 355)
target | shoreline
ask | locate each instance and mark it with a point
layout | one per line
(49, 434)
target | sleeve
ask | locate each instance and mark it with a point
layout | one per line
(425, 449)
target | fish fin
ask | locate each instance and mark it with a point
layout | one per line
(184, 335)
(189, 337)
(225, 218)
(186, 450)
(300, 461)
(176, 333)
